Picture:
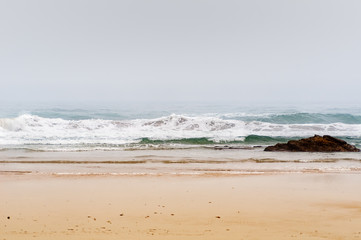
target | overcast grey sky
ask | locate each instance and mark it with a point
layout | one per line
(170, 50)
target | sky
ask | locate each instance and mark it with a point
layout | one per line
(181, 50)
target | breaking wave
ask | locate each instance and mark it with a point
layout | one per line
(30, 129)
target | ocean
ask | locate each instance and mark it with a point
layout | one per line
(172, 138)
(88, 128)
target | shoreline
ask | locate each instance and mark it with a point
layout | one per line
(195, 162)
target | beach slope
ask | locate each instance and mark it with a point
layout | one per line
(299, 206)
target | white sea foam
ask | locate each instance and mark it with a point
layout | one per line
(32, 129)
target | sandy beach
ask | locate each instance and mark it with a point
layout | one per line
(280, 206)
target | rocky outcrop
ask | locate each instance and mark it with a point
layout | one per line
(314, 144)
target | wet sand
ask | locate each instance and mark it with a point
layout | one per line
(281, 206)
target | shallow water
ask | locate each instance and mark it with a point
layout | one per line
(176, 162)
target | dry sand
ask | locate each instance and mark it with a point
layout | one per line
(292, 206)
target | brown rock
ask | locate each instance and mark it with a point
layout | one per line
(314, 144)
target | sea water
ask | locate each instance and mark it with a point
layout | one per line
(172, 137)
